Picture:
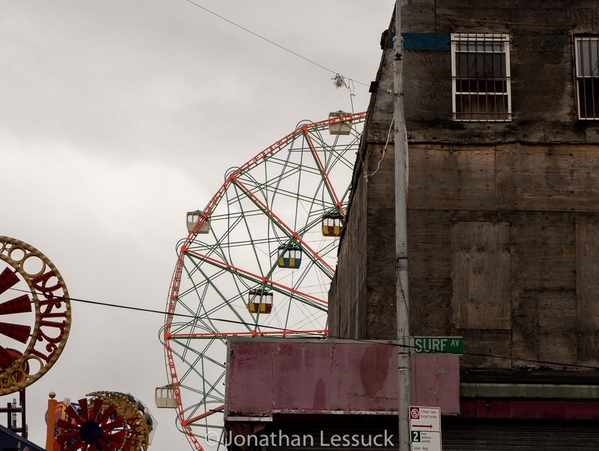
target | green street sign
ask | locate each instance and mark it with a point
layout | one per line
(438, 345)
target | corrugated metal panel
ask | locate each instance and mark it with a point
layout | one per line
(521, 435)
(517, 409)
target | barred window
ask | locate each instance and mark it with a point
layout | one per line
(586, 51)
(480, 69)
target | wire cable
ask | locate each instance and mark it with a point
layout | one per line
(270, 41)
(389, 133)
(287, 331)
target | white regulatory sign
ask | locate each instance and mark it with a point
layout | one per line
(425, 419)
(425, 441)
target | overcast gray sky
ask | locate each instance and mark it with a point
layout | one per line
(117, 117)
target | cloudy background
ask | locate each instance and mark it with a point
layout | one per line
(117, 117)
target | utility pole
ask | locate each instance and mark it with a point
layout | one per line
(404, 397)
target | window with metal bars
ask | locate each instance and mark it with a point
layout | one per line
(586, 54)
(480, 69)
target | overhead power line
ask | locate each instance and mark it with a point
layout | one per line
(275, 328)
(337, 75)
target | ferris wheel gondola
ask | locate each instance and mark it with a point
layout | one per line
(257, 262)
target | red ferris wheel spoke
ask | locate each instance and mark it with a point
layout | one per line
(63, 424)
(94, 426)
(19, 304)
(6, 357)
(254, 277)
(205, 414)
(83, 408)
(17, 332)
(282, 224)
(97, 406)
(66, 436)
(67, 426)
(72, 413)
(114, 439)
(117, 423)
(8, 279)
(108, 412)
(76, 445)
(322, 169)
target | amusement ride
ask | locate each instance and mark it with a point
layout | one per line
(257, 262)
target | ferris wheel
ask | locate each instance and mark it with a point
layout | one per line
(36, 312)
(258, 261)
(103, 420)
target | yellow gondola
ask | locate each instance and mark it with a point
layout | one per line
(260, 301)
(332, 224)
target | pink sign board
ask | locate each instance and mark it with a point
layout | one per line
(266, 376)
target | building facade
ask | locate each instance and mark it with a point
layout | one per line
(502, 110)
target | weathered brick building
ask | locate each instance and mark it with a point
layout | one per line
(502, 111)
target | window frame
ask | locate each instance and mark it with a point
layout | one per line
(474, 38)
(578, 77)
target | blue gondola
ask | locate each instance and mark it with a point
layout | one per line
(289, 257)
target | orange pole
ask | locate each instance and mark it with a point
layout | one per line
(51, 444)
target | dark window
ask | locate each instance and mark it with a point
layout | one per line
(481, 77)
(587, 77)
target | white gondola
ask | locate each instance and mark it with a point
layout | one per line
(192, 219)
(339, 128)
(165, 397)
